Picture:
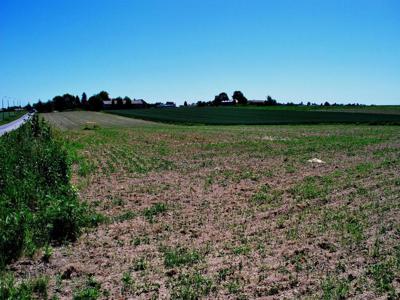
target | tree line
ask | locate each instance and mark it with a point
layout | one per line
(96, 102)
(238, 98)
(70, 102)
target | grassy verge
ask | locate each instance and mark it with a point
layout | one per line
(38, 205)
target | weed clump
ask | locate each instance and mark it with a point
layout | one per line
(156, 209)
(91, 291)
(191, 286)
(28, 289)
(335, 288)
(175, 257)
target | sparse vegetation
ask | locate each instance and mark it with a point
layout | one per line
(91, 290)
(175, 257)
(191, 286)
(335, 288)
(156, 209)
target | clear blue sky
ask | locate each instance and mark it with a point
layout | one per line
(161, 50)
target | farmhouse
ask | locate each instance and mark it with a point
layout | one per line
(112, 103)
(256, 102)
(228, 102)
(107, 103)
(166, 105)
(139, 103)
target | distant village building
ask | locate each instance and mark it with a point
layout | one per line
(107, 103)
(139, 103)
(166, 105)
(228, 102)
(113, 103)
(256, 102)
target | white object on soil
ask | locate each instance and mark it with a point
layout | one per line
(316, 160)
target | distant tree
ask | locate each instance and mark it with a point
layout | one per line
(38, 106)
(59, 103)
(327, 103)
(70, 101)
(48, 106)
(119, 102)
(239, 97)
(219, 98)
(77, 101)
(103, 95)
(84, 101)
(224, 97)
(308, 103)
(270, 101)
(185, 104)
(128, 102)
(96, 102)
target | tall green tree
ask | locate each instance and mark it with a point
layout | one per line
(239, 97)
(84, 101)
(219, 98)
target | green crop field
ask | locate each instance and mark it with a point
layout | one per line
(379, 109)
(237, 212)
(255, 116)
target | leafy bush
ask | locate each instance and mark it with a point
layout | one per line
(38, 205)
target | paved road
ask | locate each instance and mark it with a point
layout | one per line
(14, 124)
